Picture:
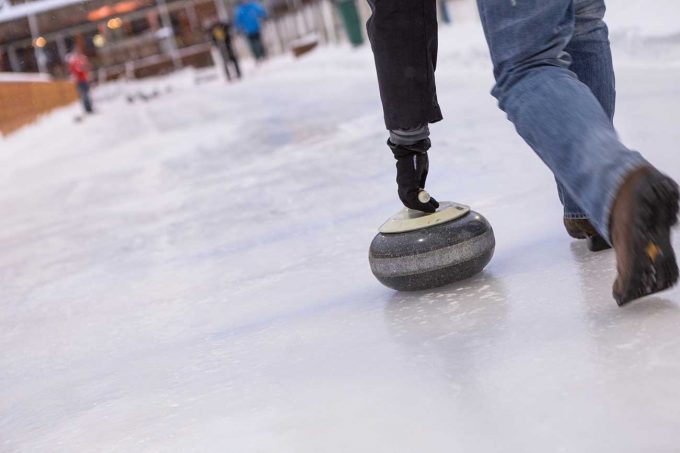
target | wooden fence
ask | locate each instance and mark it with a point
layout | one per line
(22, 102)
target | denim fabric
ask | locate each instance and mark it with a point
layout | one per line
(591, 61)
(557, 114)
(256, 46)
(84, 92)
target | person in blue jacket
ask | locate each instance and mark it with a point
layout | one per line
(248, 19)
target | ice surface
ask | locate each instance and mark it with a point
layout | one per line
(191, 274)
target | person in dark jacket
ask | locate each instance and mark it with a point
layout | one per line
(249, 15)
(220, 35)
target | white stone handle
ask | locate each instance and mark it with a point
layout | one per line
(423, 196)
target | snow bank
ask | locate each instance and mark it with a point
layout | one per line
(24, 77)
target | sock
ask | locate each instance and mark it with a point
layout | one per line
(409, 136)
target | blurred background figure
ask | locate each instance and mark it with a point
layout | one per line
(79, 67)
(249, 15)
(220, 36)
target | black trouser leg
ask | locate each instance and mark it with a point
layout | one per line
(263, 50)
(226, 69)
(234, 61)
(236, 67)
(403, 35)
(260, 46)
(255, 41)
(224, 53)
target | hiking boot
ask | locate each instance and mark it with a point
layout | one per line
(644, 210)
(583, 229)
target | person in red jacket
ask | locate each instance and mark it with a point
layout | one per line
(79, 67)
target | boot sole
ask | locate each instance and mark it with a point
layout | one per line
(653, 264)
(597, 244)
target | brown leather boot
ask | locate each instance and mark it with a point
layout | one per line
(583, 229)
(644, 210)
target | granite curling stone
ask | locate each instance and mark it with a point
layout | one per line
(416, 251)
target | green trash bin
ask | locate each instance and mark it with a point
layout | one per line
(350, 17)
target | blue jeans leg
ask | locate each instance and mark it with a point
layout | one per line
(555, 113)
(84, 91)
(592, 63)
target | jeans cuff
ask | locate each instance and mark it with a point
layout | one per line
(577, 215)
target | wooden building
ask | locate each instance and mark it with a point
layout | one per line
(137, 38)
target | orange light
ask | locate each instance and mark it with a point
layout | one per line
(114, 23)
(125, 7)
(40, 42)
(106, 11)
(101, 13)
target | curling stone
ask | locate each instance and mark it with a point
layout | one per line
(415, 250)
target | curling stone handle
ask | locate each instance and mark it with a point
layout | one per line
(423, 196)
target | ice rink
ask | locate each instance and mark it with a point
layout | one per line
(191, 273)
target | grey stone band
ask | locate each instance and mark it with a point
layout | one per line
(436, 259)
